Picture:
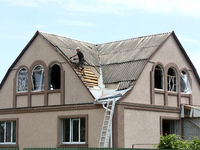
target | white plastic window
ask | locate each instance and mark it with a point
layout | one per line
(172, 80)
(158, 77)
(74, 131)
(185, 84)
(22, 80)
(37, 78)
(8, 132)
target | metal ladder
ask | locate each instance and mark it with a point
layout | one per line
(107, 123)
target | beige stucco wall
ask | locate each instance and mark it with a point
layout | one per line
(142, 127)
(54, 99)
(159, 99)
(22, 101)
(168, 53)
(6, 92)
(75, 91)
(141, 90)
(41, 129)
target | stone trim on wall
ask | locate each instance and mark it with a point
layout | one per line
(165, 91)
(46, 91)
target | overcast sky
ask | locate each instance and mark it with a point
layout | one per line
(97, 21)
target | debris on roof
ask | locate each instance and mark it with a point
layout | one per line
(116, 63)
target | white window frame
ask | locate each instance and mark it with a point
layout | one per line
(23, 86)
(71, 131)
(11, 132)
(41, 80)
(173, 80)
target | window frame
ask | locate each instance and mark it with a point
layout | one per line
(71, 134)
(50, 77)
(17, 86)
(61, 143)
(175, 119)
(43, 80)
(170, 79)
(162, 84)
(11, 144)
(188, 82)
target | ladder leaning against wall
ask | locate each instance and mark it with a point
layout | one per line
(107, 123)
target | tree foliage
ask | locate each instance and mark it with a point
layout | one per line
(172, 141)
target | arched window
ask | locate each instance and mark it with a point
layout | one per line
(37, 78)
(185, 84)
(22, 80)
(172, 80)
(158, 77)
(54, 77)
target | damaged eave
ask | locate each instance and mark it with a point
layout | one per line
(190, 111)
(57, 49)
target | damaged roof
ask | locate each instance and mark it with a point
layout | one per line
(119, 62)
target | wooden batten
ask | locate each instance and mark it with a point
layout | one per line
(90, 79)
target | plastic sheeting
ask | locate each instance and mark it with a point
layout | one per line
(38, 79)
(185, 84)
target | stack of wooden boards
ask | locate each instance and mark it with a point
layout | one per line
(89, 78)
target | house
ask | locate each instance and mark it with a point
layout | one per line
(137, 89)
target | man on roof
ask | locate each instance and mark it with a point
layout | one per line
(80, 58)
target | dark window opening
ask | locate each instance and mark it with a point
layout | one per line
(170, 127)
(54, 77)
(158, 75)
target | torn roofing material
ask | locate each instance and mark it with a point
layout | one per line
(120, 62)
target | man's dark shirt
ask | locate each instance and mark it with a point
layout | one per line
(80, 55)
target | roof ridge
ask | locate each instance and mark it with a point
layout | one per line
(57, 35)
(136, 37)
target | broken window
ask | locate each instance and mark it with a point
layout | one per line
(185, 84)
(171, 80)
(37, 78)
(22, 80)
(158, 77)
(54, 77)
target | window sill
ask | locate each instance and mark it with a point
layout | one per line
(185, 95)
(54, 91)
(161, 91)
(4, 145)
(72, 145)
(172, 93)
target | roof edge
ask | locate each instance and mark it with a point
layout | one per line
(187, 57)
(17, 59)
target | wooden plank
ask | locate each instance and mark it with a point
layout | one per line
(86, 77)
(92, 81)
